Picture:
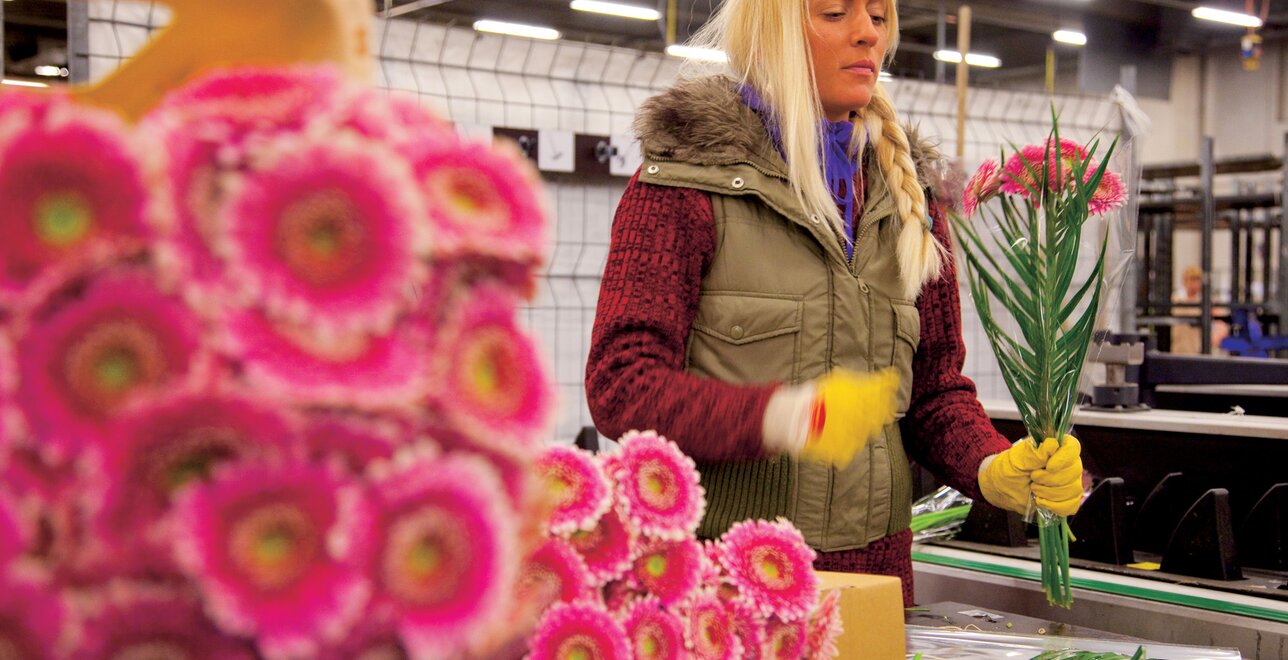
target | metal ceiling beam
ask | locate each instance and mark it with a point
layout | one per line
(1010, 16)
(415, 5)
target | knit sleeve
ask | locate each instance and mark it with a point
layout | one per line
(946, 428)
(663, 239)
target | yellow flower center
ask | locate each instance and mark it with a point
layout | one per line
(469, 198)
(655, 565)
(63, 219)
(491, 372)
(117, 370)
(109, 361)
(274, 545)
(322, 239)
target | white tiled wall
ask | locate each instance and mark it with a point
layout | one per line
(519, 83)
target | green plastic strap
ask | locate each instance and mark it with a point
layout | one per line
(1113, 588)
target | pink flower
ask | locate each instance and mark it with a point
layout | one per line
(74, 192)
(771, 566)
(374, 638)
(136, 621)
(578, 487)
(32, 617)
(393, 118)
(606, 547)
(271, 550)
(749, 626)
(825, 627)
(785, 641)
(354, 441)
(327, 232)
(251, 99)
(379, 372)
(577, 631)
(1020, 169)
(513, 464)
(83, 361)
(670, 570)
(554, 573)
(481, 201)
(161, 446)
(653, 632)
(710, 630)
(981, 187)
(15, 532)
(1110, 194)
(658, 487)
(194, 179)
(489, 380)
(444, 560)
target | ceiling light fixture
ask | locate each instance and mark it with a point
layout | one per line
(516, 29)
(973, 59)
(1228, 17)
(22, 83)
(616, 9)
(884, 77)
(50, 71)
(694, 53)
(1071, 37)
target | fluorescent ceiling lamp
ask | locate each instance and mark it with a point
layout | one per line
(1072, 37)
(973, 59)
(884, 77)
(22, 83)
(50, 71)
(692, 53)
(516, 29)
(1223, 16)
(615, 9)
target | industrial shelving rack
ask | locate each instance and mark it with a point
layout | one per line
(1257, 222)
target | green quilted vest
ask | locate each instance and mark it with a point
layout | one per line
(781, 302)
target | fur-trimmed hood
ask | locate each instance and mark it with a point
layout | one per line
(704, 121)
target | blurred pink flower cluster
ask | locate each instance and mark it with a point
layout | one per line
(262, 387)
(623, 576)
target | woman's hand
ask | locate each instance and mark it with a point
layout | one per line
(831, 419)
(1051, 472)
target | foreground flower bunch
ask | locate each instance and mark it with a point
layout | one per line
(622, 575)
(1026, 259)
(262, 388)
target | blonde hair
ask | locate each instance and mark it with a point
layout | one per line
(747, 29)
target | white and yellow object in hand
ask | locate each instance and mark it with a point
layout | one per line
(1051, 473)
(832, 419)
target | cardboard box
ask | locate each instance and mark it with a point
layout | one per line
(872, 613)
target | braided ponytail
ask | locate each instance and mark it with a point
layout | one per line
(920, 256)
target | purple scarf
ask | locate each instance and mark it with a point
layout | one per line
(839, 167)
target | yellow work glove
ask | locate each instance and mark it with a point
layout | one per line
(833, 418)
(849, 409)
(1051, 472)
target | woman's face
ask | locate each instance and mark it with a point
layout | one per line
(848, 40)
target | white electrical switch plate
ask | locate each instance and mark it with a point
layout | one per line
(628, 157)
(555, 151)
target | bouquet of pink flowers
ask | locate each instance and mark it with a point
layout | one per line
(623, 575)
(1029, 262)
(262, 389)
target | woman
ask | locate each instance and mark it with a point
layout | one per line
(774, 251)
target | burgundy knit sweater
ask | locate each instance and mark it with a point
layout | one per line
(663, 240)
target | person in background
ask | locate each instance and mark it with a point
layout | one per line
(1186, 336)
(775, 251)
